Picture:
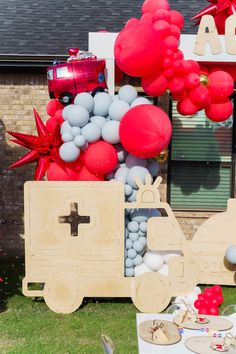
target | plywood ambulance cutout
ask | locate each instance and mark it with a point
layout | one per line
(74, 245)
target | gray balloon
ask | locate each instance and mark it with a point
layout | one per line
(118, 109)
(91, 132)
(127, 93)
(66, 110)
(65, 127)
(137, 171)
(86, 100)
(153, 168)
(122, 172)
(132, 197)
(140, 100)
(102, 101)
(77, 116)
(80, 141)
(132, 161)
(110, 132)
(121, 153)
(69, 152)
(75, 131)
(128, 190)
(98, 120)
(231, 254)
(66, 136)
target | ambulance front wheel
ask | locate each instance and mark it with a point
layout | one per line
(150, 293)
(62, 294)
(66, 98)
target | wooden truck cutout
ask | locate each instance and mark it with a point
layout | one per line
(74, 246)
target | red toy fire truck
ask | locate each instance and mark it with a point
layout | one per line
(82, 72)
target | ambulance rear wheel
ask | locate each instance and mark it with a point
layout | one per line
(150, 293)
(96, 90)
(66, 98)
(62, 294)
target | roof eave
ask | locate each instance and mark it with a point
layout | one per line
(29, 60)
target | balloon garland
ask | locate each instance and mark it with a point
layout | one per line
(161, 65)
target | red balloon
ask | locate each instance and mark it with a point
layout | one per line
(147, 17)
(52, 107)
(58, 115)
(175, 31)
(217, 289)
(192, 80)
(178, 67)
(155, 85)
(176, 85)
(145, 131)
(219, 298)
(51, 124)
(176, 18)
(203, 311)
(145, 56)
(213, 310)
(208, 293)
(221, 86)
(197, 304)
(171, 42)
(201, 297)
(85, 175)
(162, 27)
(100, 158)
(56, 173)
(154, 5)
(219, 112)
(186, 107)
(190, 66)
(161, 15)
(200, 96)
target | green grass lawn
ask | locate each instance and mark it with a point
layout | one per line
(29, 327)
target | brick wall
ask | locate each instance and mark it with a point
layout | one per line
(19, 93)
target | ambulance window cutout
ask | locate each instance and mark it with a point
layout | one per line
(50, 74)
(74, 219)
(62, 72)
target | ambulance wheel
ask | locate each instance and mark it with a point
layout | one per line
(150, 293)
(96, 90)
(66, 98)
(62, 294)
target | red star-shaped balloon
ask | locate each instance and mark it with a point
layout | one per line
(44, 147)
(216, 7)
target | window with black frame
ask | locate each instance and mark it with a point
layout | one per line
(200, 168)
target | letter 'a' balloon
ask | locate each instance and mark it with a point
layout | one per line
(145, 131)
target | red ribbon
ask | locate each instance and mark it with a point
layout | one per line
(217, 7)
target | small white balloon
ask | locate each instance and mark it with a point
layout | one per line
(143, 240)
(137, 171)
(127, 93)
(65, 127)
(110, 132)
(143, 226)
(102, 101)
(133, 196)
(153, 260)
(138, 260)
(132, 253)
(129, 263)
(80, 141)
(122, 172)
(77, 116)
(128, 244)
(86, 100)
(132, 161)
(128, 190)
(66, 136)
(118, 109)
(164, 270)
(133, 236)
(138, 246)
(69, 152)
(133, 226)
(170, 254)
(191, 298)
(141, 269)
(75, 131)
(98, 120)
(91, 132)
(140, 100)
(129, 272)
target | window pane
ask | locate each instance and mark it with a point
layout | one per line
(62, 72)
(50, 74)
(198, 186)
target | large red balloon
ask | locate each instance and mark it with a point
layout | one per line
(85, 175)
(155, 85)
(56, 173)
(177, 19)
(52, 107)
(100, 158)
(154, 5)
(221, 86)
(145, 131)
(219, 112)
(145, 56)
(186, 107)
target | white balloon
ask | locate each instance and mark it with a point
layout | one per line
(117, 109)
(191, 298)
(141, 269)
(77, 116)
(132, 197)
(98, 120)
(86, 100)
(122, 172)
(65, 127)
(197, 290)
(132, 161)
(69, 152)
(164, 270)
(75, 131)
(140, 100)
(137, 171)
(102, 101)
(91, 132)
(127, 93)
(153, 260)
(169, 254)
(110, 132)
